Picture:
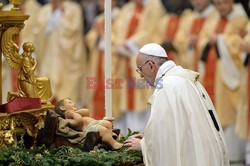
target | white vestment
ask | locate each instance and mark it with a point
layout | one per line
(183, 129)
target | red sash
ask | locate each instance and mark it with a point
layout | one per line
(99, 97)
(171, 30)
(132, 29)
(195, 30)
(210, 65)
(172, 27)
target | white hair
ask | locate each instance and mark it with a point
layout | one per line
(157, 60)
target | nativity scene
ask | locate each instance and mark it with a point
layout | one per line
(28, 114)
(125, 82)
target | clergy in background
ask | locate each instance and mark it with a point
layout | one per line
(243, 115)
(134, 26)
(95, 43)
(183, 128)
(221, 68)
(60, 48)
(166, 28)
(220, 73)
(190, 26)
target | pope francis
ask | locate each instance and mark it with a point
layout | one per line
(183, 129)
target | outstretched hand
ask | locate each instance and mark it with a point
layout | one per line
(133, 144)
(140, 135)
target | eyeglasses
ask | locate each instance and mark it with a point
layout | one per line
(139, 69)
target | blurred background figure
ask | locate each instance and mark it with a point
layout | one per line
(221, 69)
(243, 115)
(192, 22)
(96, 68)
(60, 48)
(134, 27)
(90, 11)
(165, 32)
(243, 119)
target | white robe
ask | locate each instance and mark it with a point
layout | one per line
(180, 131)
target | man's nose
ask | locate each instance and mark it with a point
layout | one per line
(141, 75)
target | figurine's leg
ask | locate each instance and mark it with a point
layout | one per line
(106, 136)
(109, 126)
(106, 124)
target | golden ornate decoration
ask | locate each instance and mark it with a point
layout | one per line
(8, 19)
(16, 4)
(6, 139)
(15, 124)
(29, 85)
(1, 6)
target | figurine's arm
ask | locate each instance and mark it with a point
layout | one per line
(83, 112)
(74, 119)
(34, 65)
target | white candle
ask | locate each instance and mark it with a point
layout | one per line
(107, 31)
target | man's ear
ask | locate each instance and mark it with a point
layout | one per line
(152, 65)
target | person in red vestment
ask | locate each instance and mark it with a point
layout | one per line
(186, 38)
(135, 25)
(221, 69)
(95, 44)
(167, 27)
(209, 55)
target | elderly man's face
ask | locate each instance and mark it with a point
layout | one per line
(224, 6)
(144, 69)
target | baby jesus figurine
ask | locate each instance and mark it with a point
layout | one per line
(79, 120)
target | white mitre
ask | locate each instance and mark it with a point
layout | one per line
(153, 49)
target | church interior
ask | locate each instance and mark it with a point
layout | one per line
(59, 51)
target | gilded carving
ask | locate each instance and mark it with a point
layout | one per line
(7, 139)
(4, 123)
(29, 85)
(16, 4)
(29, 121)
(1, 6)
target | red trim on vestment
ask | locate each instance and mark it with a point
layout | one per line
(132, 29)
(210, 65)
(99, 96)
(195, 30)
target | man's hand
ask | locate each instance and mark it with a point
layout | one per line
(213, 39)
(245, 46)
(139, 135)
(133, 144)
(193, 40)
(242, 32)
(123, 51)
